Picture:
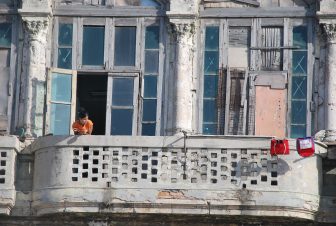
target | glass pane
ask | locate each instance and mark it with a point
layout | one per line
(60, 119)
(5, 57)
(211, 62)
(209, 129)
(150, 89)
(122, 92)
(300, 37)
(211, 38)
(137, 3)
(298, 131)
(152, 37)
(65, 58)
(299, 112)
(61, 87)
(210, 85)
(5, 34)
(149, 110)
(300, 62)
(299, 87)
(152, 61)
(124, 53)
(93, 45)
(65, 35)
(121, 123)
(209, 111)
(148, 129)
(149, 3)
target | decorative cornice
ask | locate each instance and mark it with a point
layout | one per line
(330, 32)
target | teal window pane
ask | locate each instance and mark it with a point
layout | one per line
(124, 53)
(209, 129)
(65, 35)
(149, 110)
(210, 85)
(152, 37)
(150, 89)
(209, 111)
(148, 129)
(93, 45)
(211, 62)
(150, 3)
(61, 86)
(122, 92)
(300, 37)
(121, 122)
(60, 119)
(298, 131)
(65, 58)
(5, 34)
(211, 38)
(300, 62)
(151, 61)
(299, 87)
(299, 112)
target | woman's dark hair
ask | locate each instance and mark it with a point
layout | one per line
(82, 113)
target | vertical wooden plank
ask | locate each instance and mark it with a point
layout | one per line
(141, 59)
(289, 91)
(253, 60)
(138, 43)
(106, 43)
(286, 43)
(224, 43)
(79, 42)
(160, 78)
(55, 42)
(310, 71)
(201, 77)
(108, 105)
(135, 104)
(73, 99)
(112, 43)
(244, 102)
(74, 43)
(227, 100)
(48, 107)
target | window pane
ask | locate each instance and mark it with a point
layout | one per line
(210, 85)
(272, 37)
(150, 89)
(121, 123)
(298, 131)
(149, 110)
(149, 3)
(122, 92)
(300, 36)
(300, 62)
(299, 87)
(211, 62)
(65, 35)
(299, 112)
(5, 34)
(60, 119)
(137, 3)
(152, 61)
(61, 87)
(152, 37)
(93, 45)
(5, 57)
(209, 111)
(65, 58)
(148, 129)
(209, 129)
(124, 53)
(211, 38)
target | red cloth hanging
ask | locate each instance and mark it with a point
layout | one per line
(279, 147)
(305, 146)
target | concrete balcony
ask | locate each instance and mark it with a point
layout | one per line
(196, 175)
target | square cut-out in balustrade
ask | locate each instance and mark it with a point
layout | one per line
(3, 154)
(86, 157)
(74, 170)
(75, 161)
(124, 166)
(254, 155)
(135, 162)
(174, 153)
(223, 151)
(274, 165)
(243, 151)
(154, 162)
(274, 174)
(263, 178)
(75, 152)
(213, 155)
(233, 181)
(3, 163)
(234, 155)
(264, 151)
(214, 172)
(115, 161)
(244, 185)
(86, 148)
(174, 180)
(85, 175)
(145, 158)
(213, 164)
(104, 175)
(193, 180)
(274, 183)
(94, 179)
(263, 162)
(224, 168)
(234, 164)
(85, 165)
(154, 171)
(254, 182)
(115, 153)
(233, 173)
(108, 184)
(204, 159)
(114, 170)
(94, 170)
(74, 178)
(214, 181)
(184, 176)
(174, 162)
(2, 172)
(95, 161)
(144, 175)
(105, 166)
(105, 148)
(95, 152)
(135, 153)
(154, 179)
(154, 153)
(223, 177)
(144, 166)
(253, 173)
(204, 176)
(124, 157)
(106, 157)
(134, 179)
(124, 175)
(223, 159)
(114, 179)
(135, 170)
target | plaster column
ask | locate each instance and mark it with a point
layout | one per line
(35, 73)
(330, 82)
(184, 34)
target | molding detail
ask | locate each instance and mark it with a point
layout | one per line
(183, 30)
(35, 26)
(330, 32)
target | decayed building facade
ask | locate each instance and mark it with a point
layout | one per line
(185, 97)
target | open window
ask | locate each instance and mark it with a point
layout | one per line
(61, 101)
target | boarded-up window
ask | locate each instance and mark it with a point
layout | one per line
(271, 53)
(239, 43)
